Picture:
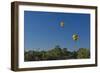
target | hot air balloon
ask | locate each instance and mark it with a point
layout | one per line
(61, 24)
(75, 37)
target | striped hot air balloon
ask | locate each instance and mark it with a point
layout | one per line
(75, 37)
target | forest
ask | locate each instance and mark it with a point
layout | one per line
(56, 53)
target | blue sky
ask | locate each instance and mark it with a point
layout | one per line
(42, 30)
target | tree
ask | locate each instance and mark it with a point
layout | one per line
(74, 54)
(83, 53)
(28, 56)
(55, 53)
(58, 50)
(64, 51)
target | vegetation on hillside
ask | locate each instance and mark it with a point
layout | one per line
(56, 53)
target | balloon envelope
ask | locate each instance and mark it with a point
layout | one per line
(62, 24)
(75, 37)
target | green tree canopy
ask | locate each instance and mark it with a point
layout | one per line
(83, 53)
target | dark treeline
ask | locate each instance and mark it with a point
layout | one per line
(56, 53)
